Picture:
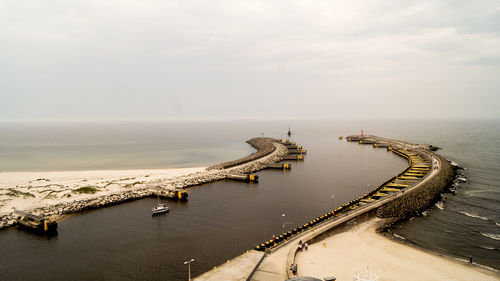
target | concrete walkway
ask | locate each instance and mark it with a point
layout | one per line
(275, 266)
(238, 268)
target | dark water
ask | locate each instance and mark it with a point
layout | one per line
(220, 221)
(224, 219)
(467, 221)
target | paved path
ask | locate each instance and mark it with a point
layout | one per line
(238, 268)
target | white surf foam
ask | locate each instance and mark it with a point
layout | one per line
(399, 236)
(439, 205)
(487, 248)
(473, 215)
(493, 236)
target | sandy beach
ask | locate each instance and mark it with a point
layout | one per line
(362, 249)
(28, 190)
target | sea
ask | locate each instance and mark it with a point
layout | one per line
(224, 219)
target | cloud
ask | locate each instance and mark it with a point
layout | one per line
(223, 59)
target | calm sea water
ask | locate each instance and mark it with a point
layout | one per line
(222, 220)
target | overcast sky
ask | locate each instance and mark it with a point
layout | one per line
(141, 59)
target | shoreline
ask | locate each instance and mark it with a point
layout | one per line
(362, 249)
(38, 184)
(407, 243)
(56, 194)
(393, 206)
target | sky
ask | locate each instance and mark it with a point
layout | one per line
(190, 59)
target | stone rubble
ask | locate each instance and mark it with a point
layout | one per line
(269, 151)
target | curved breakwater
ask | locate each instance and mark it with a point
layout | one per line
(269, 151)
(401, 196)
(405, 194)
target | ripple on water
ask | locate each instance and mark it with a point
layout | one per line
(493, 236)
(490, 248)
(473, 215)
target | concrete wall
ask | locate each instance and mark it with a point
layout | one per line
(264, 147)
(418, 199)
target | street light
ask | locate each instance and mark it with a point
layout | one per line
(333, 205)
(189, 268)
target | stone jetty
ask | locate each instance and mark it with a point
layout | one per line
(404, 195)
(269, 151)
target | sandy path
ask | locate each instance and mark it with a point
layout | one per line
(361, 248)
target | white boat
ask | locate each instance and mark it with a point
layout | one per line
(159, 208)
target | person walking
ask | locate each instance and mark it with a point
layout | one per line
(306, 246)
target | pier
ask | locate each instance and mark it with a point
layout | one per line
(279, 166)
(169, 193)
(399, 197)
(35, 222)
(293, 157)
(243, 177)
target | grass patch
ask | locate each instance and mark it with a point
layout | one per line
(16, 193)
(132, 184)
(108, 184)
(44, 186)
(86, 190)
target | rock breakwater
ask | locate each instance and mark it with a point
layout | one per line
(419, 198)
(268, 151)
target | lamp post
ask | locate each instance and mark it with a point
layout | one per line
(333, 205)
(189, 268)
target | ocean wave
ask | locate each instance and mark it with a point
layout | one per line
(399, 236)
(439, 205)
(453, 163)
(488, 248)
(473, 215)
(498, 224)
(493, 236)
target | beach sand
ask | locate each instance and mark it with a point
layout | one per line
(27, 190)
(362, 248)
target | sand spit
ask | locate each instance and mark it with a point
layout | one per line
(54, 194)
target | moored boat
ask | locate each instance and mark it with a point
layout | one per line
(160, 208)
